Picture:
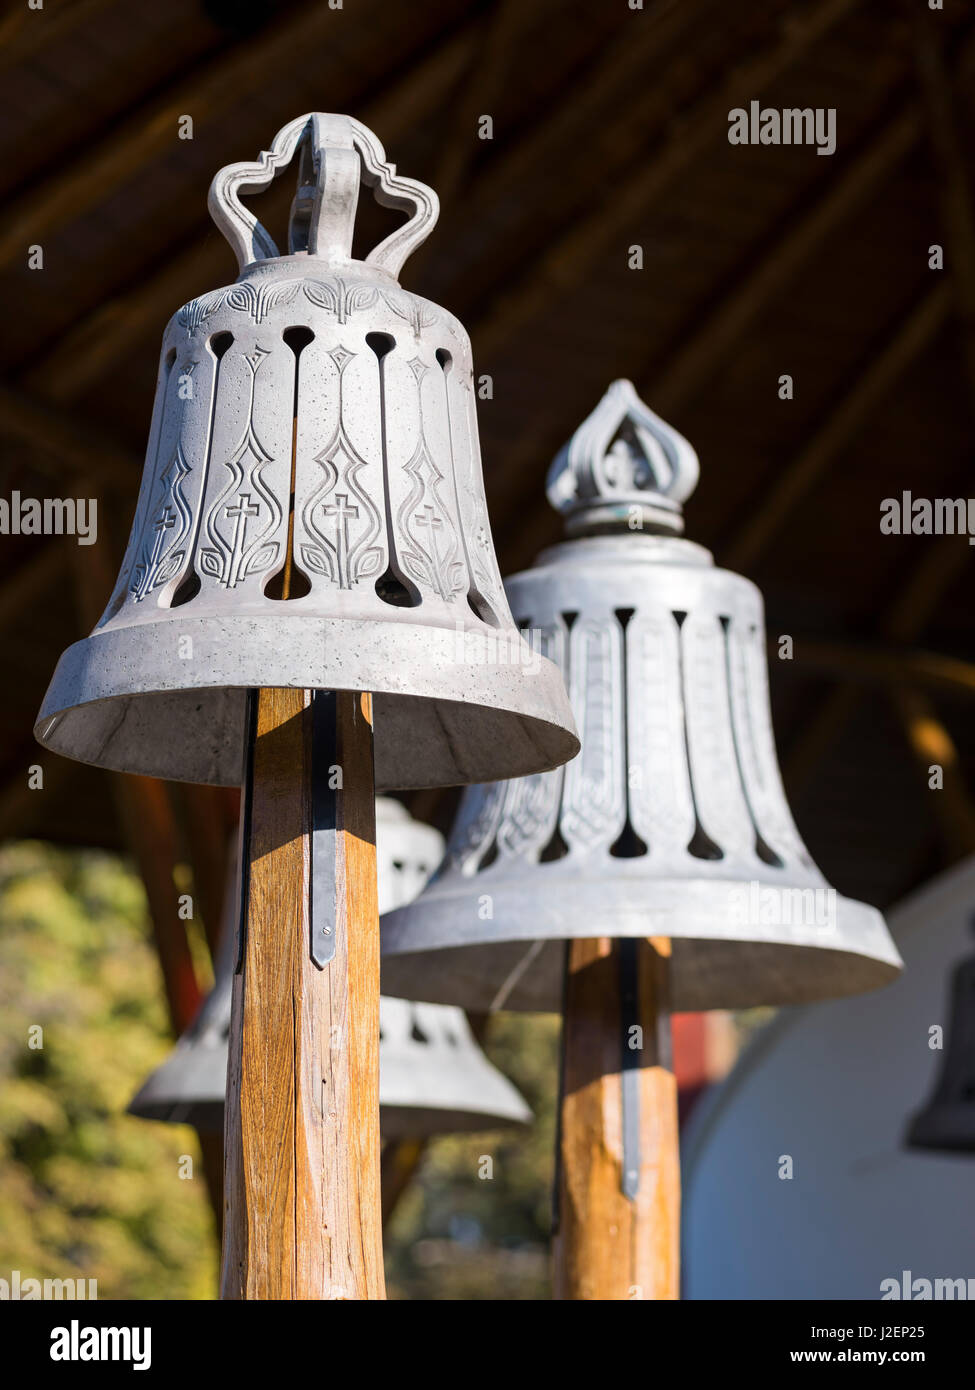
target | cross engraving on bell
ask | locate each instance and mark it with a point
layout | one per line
(312, 484)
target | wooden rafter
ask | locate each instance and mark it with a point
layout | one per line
(106, 335)
(886, 665)
(210, 92)
(566, 262)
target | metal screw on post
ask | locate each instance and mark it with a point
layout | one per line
(310, 559)
(665, 855)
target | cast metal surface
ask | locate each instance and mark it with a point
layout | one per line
(433, 1077)
(317, 419)
(672, 821)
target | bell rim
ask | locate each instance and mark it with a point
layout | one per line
(714, 964)
(521, 723)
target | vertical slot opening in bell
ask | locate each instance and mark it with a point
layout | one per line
(476, 600)
(700, 845)
(628, 844)
(741, 723)
(392, 586)
(126, 587)
(556, 848)
(290, 581)
(188, 588)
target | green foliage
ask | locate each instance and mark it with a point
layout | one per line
(459, 1235)
(87, 1191)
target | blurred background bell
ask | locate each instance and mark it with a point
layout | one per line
(312, 511)
(672, 822)
(947, 1121)
(433, 1077)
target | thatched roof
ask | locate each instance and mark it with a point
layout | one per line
(610, 130)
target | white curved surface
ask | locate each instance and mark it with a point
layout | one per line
(833, 1085)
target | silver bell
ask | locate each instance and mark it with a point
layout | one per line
(672, 822)
(433, 1077)
(313, 420)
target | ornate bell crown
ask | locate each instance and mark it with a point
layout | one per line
(312, 510)
(433, 1077)
(624, 468)
(673, 821)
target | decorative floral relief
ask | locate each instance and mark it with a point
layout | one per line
(430, 553)
(336, 296)
(246, 512)
(416, 312)
(340, 515)
(161, 554)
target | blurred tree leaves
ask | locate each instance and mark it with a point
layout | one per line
(459, 1235)
(87, 1191)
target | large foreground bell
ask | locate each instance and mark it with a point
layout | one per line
(312, 511)
(672, 822)
(947, 1123)
(433, 1077)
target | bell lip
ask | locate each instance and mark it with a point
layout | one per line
(479, 722)
(418, 1121)
(715, 963)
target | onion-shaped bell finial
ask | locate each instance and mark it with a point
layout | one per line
(672, 822)
(312, 510)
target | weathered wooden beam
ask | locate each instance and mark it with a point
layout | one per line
(932, 745)
(709, 340)
(902, 622)
(565, 264)
(25, 32)
(838, 430)
(207, 93)
(713, 336)
(25, 586)
(302, 1176)
(567, 133)
(875, 663)
(71, 445)
(88, 350)
(618, 1178)
(942, 564)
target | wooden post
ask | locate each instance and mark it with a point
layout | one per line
(302, 1205)
(618, 1168)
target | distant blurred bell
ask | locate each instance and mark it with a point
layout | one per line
(672, 822)
(433, 1077)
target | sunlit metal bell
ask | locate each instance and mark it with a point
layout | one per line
(315, 422)
(947, 1122)
(672, 822)
(433, 1077)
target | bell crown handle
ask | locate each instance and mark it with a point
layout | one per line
(624, 468)
(338, 154)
